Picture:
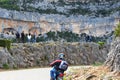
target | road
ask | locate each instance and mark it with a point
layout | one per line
(28, 74)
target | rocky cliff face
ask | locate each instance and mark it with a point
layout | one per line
(95, 17)
(41, 54)
(113, 59)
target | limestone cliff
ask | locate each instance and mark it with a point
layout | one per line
(95, 17)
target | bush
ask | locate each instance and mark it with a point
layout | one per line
(8, 44)
(97, 64)
(5, 43)
(5, 66)
(101, 43)
(9, 4)
(117, 31)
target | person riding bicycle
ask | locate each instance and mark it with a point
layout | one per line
(59, 65)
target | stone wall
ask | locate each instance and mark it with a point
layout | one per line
(41, 54)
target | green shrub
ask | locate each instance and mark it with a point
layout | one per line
(9, 4)
(15, 67)
(5, 66)
(117, 31)
(5, 43)
(97, 64)
(101, 43)
(2, 43)
(8, 43)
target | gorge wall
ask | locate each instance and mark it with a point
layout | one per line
(94, 17)
(41, 54)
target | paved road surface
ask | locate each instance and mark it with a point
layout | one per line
(28, 74)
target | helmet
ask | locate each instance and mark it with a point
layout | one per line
(61, 56)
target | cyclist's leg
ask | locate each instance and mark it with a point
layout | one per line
(53, 74)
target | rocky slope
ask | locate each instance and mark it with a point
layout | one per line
(109, 71)
(91, 73)
(68, 7)
(41, 54)
(113, 59)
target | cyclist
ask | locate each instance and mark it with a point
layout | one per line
(59, 65)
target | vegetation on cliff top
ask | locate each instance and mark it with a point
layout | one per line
(77, 8)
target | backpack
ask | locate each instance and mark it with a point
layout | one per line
(63, 65)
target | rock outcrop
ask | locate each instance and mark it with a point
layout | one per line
(113, 59)
(41, 54)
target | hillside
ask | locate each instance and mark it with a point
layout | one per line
(41, 54)
(109, 71)
(65, 7)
